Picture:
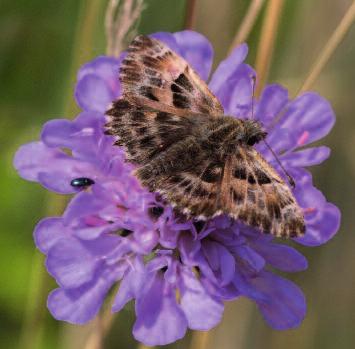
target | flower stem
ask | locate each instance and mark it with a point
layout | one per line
(247, 23)
(199, 339)
(32, 328)
(329, 48)
(267, 41)
(120, 22)
(83, 45)
(190, 15)
(33, 323)
(142, 346)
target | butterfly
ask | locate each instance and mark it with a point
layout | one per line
(200, 160)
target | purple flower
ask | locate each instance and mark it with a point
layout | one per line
(179, 273)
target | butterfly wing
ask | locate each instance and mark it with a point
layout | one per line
(259, 197)
(187, 178)
(144, 132)
(154, 76)
(244, 187)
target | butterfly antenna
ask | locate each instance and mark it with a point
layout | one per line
(252, 97)
(289, 177)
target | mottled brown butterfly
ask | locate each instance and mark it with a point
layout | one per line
(201, 161)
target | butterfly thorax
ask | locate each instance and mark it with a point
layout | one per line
(225, 134)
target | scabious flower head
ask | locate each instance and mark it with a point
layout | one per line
(178, 272)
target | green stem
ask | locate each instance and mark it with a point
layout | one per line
(33, 324)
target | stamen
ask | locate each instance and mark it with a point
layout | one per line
(303, 138)
(309, 210)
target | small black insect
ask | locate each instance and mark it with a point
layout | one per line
(82, 182)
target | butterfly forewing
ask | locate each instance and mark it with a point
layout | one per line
(154, 76)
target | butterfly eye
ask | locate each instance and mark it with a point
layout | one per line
(252, 140)
(256, 138)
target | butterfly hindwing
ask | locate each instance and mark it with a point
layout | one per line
(192, 182)
(154, 76)
(260, 198)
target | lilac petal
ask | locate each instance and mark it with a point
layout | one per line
(192, 46)
(103, 66)
(273, 99)
(322, 218)
(80, 305)
(168, 39)
(236, 93)
(197, 50)
(280, 301)
(160, 320)
(306, 157)
(310, 117)
(81, 135)
(51, 167)
(228, 67)
(83, 204)
(131, 286)
(201, 309)
(91, 233)
(220, 259)
(241, 93)
(47, 233)
(33, 158)
(94, 94)
(188, 248)
(70, 263)
(248, 255)
(323, 228)
(282, 257)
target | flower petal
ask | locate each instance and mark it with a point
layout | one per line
(70, 263)
(201, 309)
(51, 167)
(306, 157)
(160, 320)
(280, 301)
(228, 67)
(310, 117)
(282, 257)
(192, 46)
(47, 233)
(80, 305)
(273, 99)
(92, 93)
(197, 50)
(322, 218)
(131, 286)
(81, 135)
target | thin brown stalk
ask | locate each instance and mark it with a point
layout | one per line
(199, 340)
(247, 23)
(103, 323)
(109, 24)
(142, 346)
(329, 48)
(267, 41)
(120, 21)
(190, 15)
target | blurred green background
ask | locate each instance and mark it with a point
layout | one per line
(42, 45)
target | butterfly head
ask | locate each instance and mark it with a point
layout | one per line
(253, 132)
